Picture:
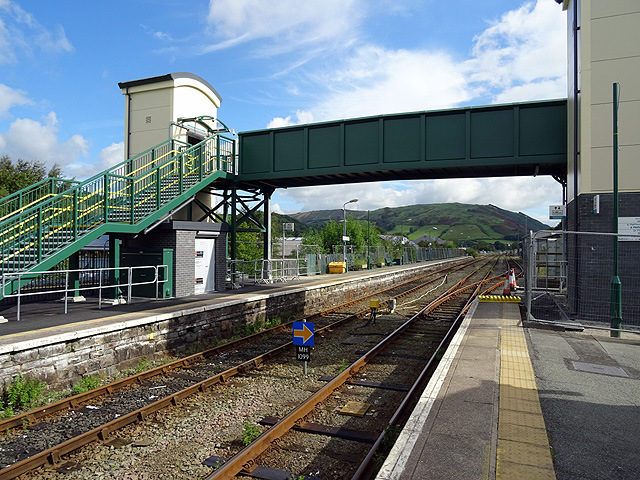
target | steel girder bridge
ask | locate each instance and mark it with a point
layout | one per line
(52, 220)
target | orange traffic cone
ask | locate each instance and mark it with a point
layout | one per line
(507, 288)
(512, 281)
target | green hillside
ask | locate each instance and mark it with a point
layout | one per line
(458, 222)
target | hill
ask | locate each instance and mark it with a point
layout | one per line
(449, 221)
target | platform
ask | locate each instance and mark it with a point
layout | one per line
(527, 403)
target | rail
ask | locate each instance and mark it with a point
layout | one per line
(103, 432)
(19, 277)
(245, 459)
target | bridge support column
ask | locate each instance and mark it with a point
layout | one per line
(267, 234)
(74, 277)
(114, 262)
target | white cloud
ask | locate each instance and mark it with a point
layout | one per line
(21, 33)
(112, 155)
(521, 57)
(284, 25)
(301, 117)
(526, 47)
(10, 97)
(510, 193)
(377, 81)
(109, 156)
(32, 140)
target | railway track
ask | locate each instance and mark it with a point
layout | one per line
(412, 348)
(195, 376)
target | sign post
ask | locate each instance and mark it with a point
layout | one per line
(303, 340)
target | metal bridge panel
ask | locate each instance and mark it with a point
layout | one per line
(403, 139)
(256, 149)
(325, 147)
(500, 140)
(446, 136)
(492, 133)
(539, 127)
(289, 153)
(362, 141)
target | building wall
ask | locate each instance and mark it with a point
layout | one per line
(147, 117)
(151, 107)
(608, 41)
(609, 51)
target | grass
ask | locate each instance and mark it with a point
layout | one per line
(343, 365)
(25, 392)
(85, 384)
(250, 431)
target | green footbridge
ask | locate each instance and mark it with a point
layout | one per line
(51, 220)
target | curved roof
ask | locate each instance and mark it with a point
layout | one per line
(168, 76)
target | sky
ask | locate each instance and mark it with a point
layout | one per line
(278, 63)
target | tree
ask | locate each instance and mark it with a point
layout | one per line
(331, 235)
(22, 174)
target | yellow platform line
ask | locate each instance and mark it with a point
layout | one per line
(523, 446)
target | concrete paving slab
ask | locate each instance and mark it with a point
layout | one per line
(472, 389)
(452, 457)
(457, 417)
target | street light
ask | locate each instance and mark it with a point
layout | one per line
(402, 242)
(344, 230)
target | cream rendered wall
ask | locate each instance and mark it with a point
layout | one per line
(154, 105)
(190, 100)
(609, 52)
(150, 108)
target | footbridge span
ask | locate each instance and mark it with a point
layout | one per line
(493, 141)
(50, 222)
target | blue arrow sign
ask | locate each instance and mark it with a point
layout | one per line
(303, 333)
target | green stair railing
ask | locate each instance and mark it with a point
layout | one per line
(31, 195)
(126, 198)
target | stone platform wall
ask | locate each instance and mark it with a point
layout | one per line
(61, 360)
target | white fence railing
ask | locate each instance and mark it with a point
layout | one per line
(261, 271)
(103, 275)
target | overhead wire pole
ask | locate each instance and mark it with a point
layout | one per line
(616, 285)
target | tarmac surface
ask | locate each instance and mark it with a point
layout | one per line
(509, 402)
(50, 314)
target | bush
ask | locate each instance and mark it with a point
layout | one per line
(24, 393)
(85, 384)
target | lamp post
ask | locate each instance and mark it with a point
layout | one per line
(402, 242)
(344, 230)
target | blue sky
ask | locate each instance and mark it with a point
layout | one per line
(278, 63)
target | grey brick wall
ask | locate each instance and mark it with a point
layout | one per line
(590, 266)
(184, 262)
(183, 245)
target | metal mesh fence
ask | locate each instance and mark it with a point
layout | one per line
(569, 276)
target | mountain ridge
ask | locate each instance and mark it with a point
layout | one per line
(458, 222)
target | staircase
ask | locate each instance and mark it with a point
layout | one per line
(43, 226)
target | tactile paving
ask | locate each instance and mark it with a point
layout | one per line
(523, 447)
